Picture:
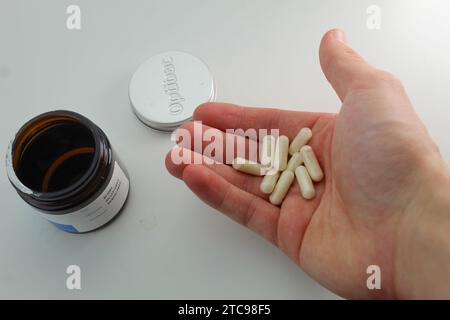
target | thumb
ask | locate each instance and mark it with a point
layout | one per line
(342, 66)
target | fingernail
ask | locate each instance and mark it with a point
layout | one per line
(339, 35)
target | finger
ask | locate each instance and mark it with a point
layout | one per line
(342, 66)
(243, 207)
(241, 180)
(216, 144)
(229, 116)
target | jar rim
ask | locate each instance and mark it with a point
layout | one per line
(66, 191)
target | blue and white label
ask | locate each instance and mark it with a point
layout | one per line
(98, 212)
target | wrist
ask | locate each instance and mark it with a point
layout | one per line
(422, 266)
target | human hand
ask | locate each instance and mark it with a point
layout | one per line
(381, 202)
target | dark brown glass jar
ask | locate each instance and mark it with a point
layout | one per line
(63, 165)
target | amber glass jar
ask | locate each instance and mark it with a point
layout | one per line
(63, 165)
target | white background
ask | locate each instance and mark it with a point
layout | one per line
(166, 243)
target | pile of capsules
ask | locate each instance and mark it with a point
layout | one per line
(278, 172)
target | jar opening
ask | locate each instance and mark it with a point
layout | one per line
(52, 153)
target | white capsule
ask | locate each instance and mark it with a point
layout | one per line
(269, 182)
(247, 166)
(281, 188)
(301, 139)
(295, 161)
(305, 182)
(311, 163)
(267, 150)
(281, 153)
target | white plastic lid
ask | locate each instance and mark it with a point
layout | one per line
(165, 90)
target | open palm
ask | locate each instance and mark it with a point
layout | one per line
(372, 157)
